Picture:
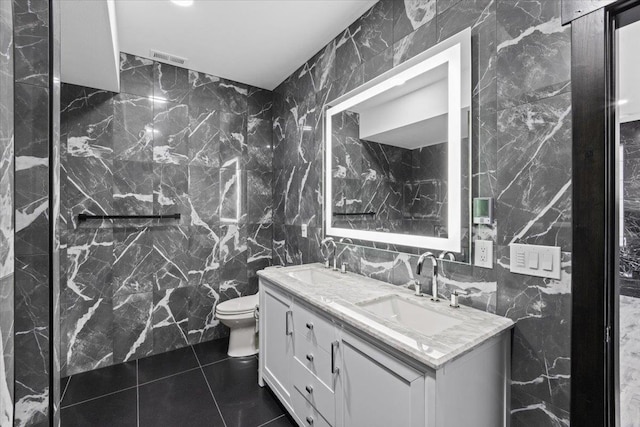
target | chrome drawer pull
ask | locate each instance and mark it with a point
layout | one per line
(310, 421)
(334, 369)
(309, 389)
(287, 315)
(310, 357)
(310, 326)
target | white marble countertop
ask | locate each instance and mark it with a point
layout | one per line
(339, 299)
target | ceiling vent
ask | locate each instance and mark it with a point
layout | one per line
(165, 57)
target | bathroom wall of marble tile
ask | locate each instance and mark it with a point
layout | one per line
(521, 157)
(32, 255)
(630, 250)
(6, 219)
(57, 228)
(172, 141)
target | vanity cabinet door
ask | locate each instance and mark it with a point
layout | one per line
(377, 389)
(276, 341)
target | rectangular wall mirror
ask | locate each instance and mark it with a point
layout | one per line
(397, 155)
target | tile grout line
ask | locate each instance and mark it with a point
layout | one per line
(213, 363)
(98, 397)
(208, 386)
(137, 395)
(65, 390)
(169, 376)
(270, 421)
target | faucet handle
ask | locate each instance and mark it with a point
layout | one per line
(454, 297)
(417, 288)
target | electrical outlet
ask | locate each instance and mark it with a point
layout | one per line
(483, 253)
(304, 230)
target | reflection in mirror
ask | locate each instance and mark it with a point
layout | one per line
(398, 161)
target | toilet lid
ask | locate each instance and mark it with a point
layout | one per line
(238, 305)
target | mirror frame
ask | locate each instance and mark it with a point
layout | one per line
(450, 52)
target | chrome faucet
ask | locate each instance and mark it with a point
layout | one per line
(447, 255)
(325, 244)
(434, 277)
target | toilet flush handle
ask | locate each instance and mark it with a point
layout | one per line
(256, 315)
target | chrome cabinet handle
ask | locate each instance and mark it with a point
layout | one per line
(334, 368)
(287, 316)
(309, 389)
(310, 421)
(310, 326)
(310, 357)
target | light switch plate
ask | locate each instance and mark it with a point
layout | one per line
(535, 260)
(304, 230)
(483, 253)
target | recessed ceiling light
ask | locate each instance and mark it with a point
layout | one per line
(623, 101)
(183, 3)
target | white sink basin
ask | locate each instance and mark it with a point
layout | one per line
(313, 276)
(410, 314)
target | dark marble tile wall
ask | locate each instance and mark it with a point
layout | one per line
(56, 250)
(172, 141)
(521, 157)
(32, 254)
(630, 251)
(6, 219)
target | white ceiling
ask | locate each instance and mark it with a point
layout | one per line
(629, 70)
(89, 47)
(258, 42)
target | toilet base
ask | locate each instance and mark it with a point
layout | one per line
(243, 341)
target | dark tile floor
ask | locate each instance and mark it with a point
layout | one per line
(193, 386)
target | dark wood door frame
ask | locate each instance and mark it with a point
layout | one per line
(594, 327)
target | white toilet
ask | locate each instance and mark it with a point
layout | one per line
(239, 315)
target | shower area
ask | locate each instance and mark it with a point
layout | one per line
(165, 214)
(160, 171)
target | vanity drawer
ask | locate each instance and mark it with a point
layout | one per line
(315, 391)
(313, 327)
(314, 358)
(305, 411)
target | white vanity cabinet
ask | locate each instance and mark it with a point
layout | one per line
(376, 389)
(276, 342)
(330, 374)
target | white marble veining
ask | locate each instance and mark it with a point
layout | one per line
(339, 298)
(6, 400)
(629, 361)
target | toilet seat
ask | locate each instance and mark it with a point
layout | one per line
(236, 306)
